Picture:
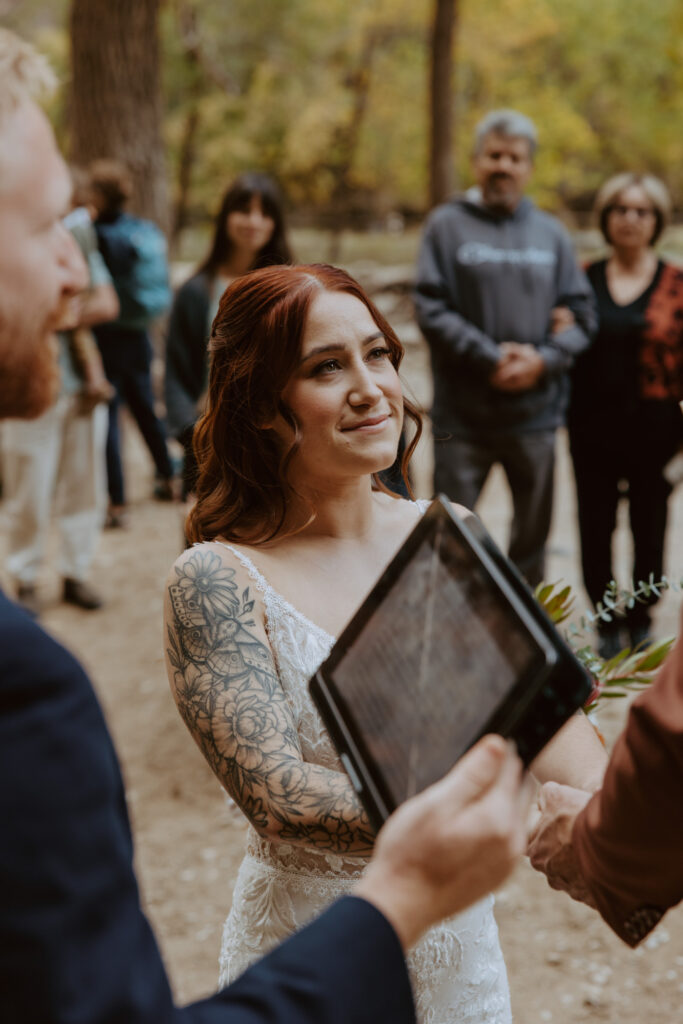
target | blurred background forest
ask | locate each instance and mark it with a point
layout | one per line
(333, 98)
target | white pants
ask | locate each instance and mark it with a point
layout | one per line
(60, 454)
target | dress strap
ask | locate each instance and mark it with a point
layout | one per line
(258, 577)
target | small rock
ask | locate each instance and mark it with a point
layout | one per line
(600, 974)
(593, 996)
(658, 938)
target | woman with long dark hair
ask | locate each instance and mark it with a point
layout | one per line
(249, 232)
(291, 528)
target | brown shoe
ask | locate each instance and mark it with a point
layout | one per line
(28, 599)
(164, 489)
(117, 519)
(82, 595)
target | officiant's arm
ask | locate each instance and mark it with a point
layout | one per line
(228, 691)
(629, 838)
(621, 849)
(574, 757)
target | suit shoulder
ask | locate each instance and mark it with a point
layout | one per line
(28, 653)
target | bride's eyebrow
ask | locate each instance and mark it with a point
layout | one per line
(334, 346)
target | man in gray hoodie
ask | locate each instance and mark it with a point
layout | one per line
(505, 309)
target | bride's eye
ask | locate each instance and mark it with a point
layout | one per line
(328, 366)
(381, 352)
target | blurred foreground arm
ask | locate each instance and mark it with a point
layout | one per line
(622, 851)
(446, 848)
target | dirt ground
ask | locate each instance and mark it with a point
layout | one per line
(564, 964)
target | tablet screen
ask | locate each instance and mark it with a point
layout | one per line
(435, 657)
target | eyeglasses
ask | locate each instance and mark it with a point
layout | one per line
(641, 212)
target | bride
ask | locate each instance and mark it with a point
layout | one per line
(291, 530)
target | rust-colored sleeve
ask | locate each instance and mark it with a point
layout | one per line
(629, 838)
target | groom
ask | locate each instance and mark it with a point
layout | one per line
(75, 943)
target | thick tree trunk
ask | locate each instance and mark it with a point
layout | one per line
(441, 102)
(115, 103)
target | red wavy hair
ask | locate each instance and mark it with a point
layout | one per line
(255, 345)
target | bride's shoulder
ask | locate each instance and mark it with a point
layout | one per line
(209, 569)
(405, 509)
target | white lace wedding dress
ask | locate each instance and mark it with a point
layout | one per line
(457, 969)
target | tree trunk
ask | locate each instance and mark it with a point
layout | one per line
(115, 101)
(188, 153)
(441, 102)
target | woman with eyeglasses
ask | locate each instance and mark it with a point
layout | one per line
(625, 423)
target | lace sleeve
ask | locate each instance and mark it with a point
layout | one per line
(225, 684)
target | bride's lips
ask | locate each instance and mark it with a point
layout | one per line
(370, 425)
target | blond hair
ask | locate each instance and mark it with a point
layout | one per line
(655, 190)
(24, 73)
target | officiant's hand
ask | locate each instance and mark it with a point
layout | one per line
(550, 846)
(444, 849)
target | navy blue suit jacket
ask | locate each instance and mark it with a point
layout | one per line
(74, 944)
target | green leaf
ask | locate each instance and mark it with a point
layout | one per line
(543, 592)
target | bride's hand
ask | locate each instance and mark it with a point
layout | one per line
(550, 847)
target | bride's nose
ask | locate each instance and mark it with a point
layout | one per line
(364, 388)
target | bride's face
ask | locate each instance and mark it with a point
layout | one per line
(344, 393)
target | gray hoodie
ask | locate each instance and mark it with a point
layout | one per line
(484, 278)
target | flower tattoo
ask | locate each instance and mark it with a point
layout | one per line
(229, 695)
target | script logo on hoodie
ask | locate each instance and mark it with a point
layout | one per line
(473, 254)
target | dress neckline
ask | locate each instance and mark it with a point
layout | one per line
(639, 300)
(267, 589)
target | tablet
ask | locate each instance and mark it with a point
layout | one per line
(450, 644)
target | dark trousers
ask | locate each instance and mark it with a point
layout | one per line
(190, 467)
(127, 359)
(462, 466)
(607, 467)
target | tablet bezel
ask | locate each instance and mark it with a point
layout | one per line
(347, 733)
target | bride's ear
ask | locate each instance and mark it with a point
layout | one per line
(279, 421)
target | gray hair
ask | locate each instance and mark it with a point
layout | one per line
(25, 74)
(509, 123)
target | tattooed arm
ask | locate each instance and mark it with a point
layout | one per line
(226, 687)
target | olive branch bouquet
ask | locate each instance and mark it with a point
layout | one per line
(631, 670)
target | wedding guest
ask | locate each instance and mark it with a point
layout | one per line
(624, 422)
(135, 253)
(491, 271)
(59, 456)
(620, 849)
(75, 943)
(249, 232)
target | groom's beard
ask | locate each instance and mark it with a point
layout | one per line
(29, 372)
